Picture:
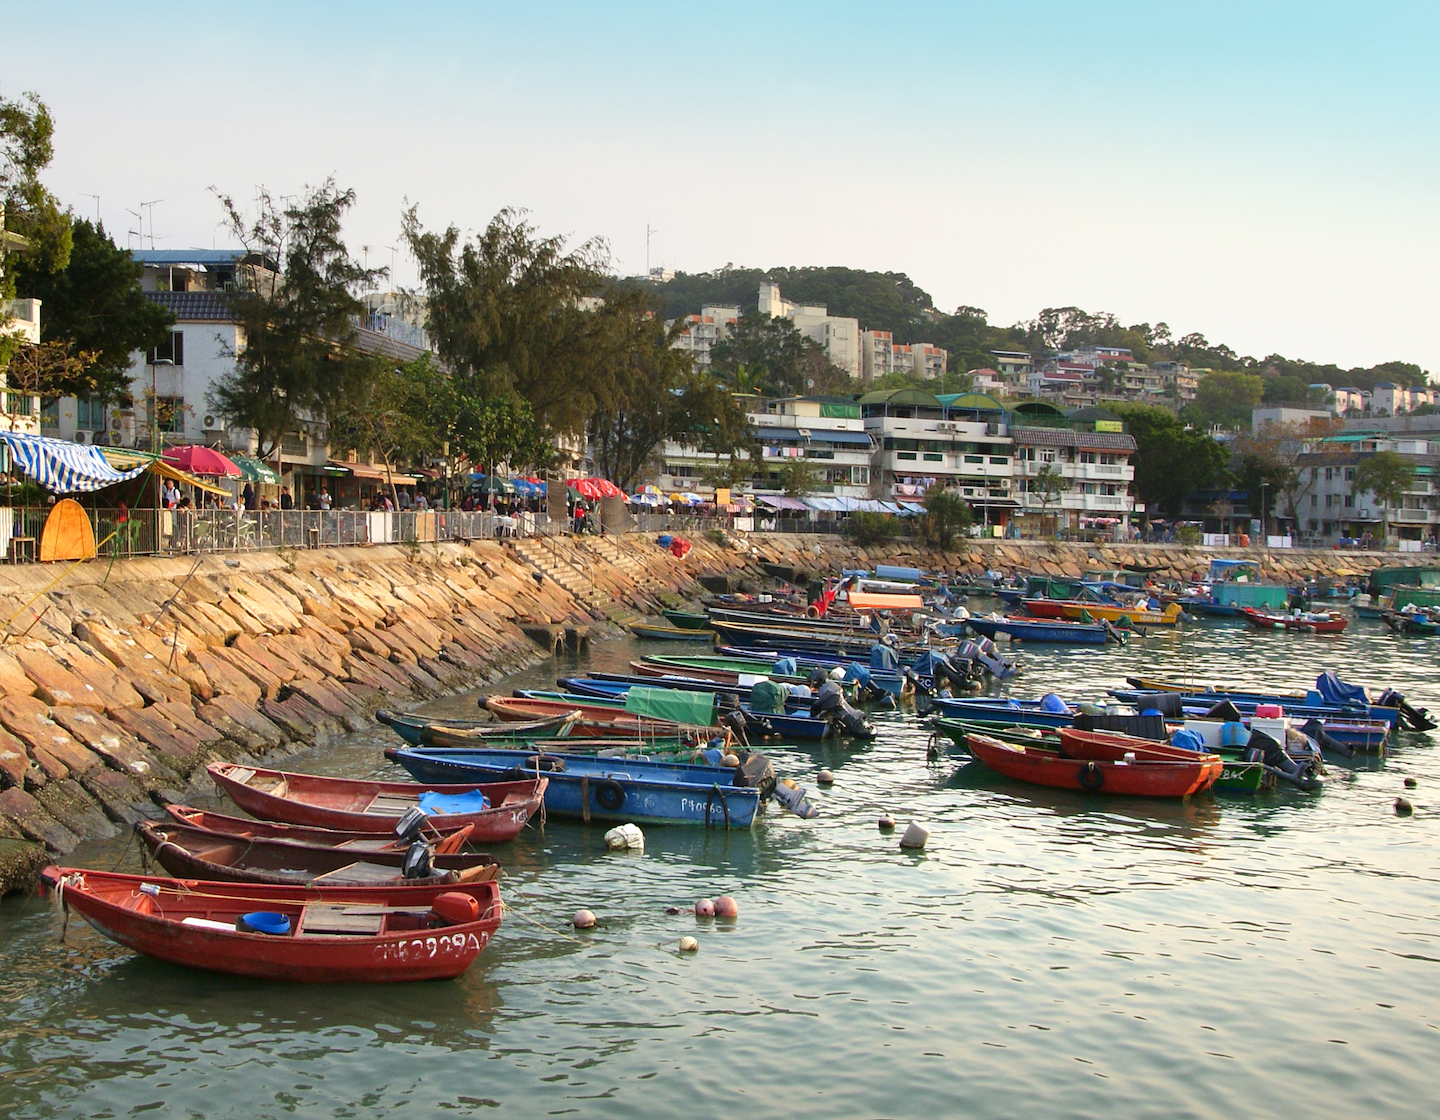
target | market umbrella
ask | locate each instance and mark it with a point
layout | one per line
(489, 484)
(597, 488)
(203, 461)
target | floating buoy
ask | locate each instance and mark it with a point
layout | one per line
(1403, 808)
(672, 910)
(705, 908)
(887, 823)
(625, 838)
(688, 944)
(726, 907)
(915, 836)
(1411, 783)
(825, 778)
(730, 760)
(584, 919)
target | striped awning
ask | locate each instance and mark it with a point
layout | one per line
(63, 467)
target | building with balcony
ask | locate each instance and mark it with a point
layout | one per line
(1329, 506)
(880, 354)
(923, 441)
(1091, 453)
(19, 318)
(701, 332)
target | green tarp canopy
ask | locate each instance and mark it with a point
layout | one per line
(253, 470)
(768, 698)
(672, 704)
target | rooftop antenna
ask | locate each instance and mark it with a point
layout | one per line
(365, 252)
(151, 207)
(392, 266)
(139, 233)
(96, 197)
(648, 232)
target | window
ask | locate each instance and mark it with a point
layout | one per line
(50, 414)
(293, 443)
(837, 474)
(975, 459)
(168, 414)
(1329, 473)
(931, 457)
(1329, 500)
(90, 414)
(1047, 454)
(172, 352)
(1349, 474)
(905, 455)
(1089, 457)
(1349, 501)
(860, 476)
(999, 461)
(1315, 500)
(1110, 460)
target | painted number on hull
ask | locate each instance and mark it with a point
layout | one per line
(428, 948)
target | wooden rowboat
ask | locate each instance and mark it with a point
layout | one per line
(597, 721)
(188, 852)
(334, 934)
(361, 806)
(447, 837)
(670, 633)
(413, 728)
(1320, 622)
(1140, 778)
(1079, 608)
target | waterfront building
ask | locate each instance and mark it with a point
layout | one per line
(1091, 452)
(19, 318)
(1330, 507)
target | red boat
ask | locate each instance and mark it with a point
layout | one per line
(1144, 777)
(360, 806)
(330, 934)
(196, 853)
(1312, 622)
(447, 838)
(596, 721)
(1107, 746)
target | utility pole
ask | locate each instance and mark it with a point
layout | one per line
(96, 197)
(648, 232)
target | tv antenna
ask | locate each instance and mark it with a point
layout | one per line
(96, 197)
(648, 233)
(151, 207)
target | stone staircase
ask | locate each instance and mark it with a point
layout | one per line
(563, 561)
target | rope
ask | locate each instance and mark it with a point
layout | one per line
(26, 605)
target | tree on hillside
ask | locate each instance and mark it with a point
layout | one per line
(1171, 459)
(946, 514)
(1226, 397)
(297, 362)
(96, 304)
(1387, 475)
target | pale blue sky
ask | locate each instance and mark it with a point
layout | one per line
(1265, 173)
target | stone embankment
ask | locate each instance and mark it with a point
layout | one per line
(118, 683)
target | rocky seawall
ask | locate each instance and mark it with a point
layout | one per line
(118, 683)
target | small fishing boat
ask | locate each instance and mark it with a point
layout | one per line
(196, 853)
(497, 812)
(670, 633)
(418, 730)
(1309, 622)
(1122, 616)
(1133, 777)
(447, 839)
(1047, 630)
(687, 620)
(314, 934)
(597, 720)
(1408, 622)
(609, 789)
(1330, 695)
(794, 723)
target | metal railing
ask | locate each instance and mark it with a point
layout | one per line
(164, 532)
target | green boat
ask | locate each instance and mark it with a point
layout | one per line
(688, 620)
(1238, 776)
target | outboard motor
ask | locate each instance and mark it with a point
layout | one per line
(419, 862)
(735, 721)
(830, 704)
(1316, 730)
(997, 664)
(1418, 718)
(1262, 748)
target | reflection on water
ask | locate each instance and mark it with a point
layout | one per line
(1047, 952)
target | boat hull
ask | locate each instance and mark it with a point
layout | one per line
(1057, 632)
(1159, 778)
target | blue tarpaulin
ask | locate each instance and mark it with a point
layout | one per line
(63, 467)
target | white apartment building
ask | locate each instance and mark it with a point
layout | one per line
(921, 443)
(1013, 365)
(1329, 506)
(1095, 465)
(826, 432)
(1389, 399)
(840, 337)
(880, 354)
(703, 331)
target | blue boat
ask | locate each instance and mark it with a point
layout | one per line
(1042, 630)
(790, 725)
(605, 789)
(1011, 713)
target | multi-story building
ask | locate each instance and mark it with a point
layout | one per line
(703, 331)
(1389, 399)
(19, 410)
(877, 354)
(1329, 506)
(923, 441)
(1090, 451)
(1177, 380)
(880, 354)
(1014, 365)
(825, 432)
(838, 336)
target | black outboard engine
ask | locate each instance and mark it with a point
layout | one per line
(830, 704)
(1225, 711)
(1316, 730)
(735, 721)
(1262, 748)
(1418, 718)
(419, 862)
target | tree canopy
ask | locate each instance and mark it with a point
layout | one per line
(95, 304)
(1387, 475)
(1171, 460)
(26, 148)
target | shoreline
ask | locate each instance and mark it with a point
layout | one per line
(119, 683)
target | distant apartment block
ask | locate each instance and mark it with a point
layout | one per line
(838, 336)
(703, 331)
(880, 354)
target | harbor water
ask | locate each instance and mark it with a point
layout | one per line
(1047, 954)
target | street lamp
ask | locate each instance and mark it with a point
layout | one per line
(1264, 527)
(155, 402)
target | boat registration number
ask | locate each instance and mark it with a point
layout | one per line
(428, 948)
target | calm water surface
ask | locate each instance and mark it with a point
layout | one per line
(1047, 954)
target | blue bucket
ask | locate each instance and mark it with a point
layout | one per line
(264, 921)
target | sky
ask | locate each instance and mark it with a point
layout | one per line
(1264, 173)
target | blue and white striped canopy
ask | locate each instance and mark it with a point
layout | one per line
(62, 467)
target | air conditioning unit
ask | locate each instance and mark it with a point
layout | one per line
(82, 436)
(992, 428)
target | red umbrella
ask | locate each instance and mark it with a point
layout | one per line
(603, 488)
(202, 460)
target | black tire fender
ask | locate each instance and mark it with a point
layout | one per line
(1091, 776)
(610, 795)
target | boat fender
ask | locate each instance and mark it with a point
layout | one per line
(609, 795)
(1091, 776)
(419, 861)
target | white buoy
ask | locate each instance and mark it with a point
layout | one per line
(625, 838)
(688, 944)
(825, 778)
(584, 919)
(915, 836)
